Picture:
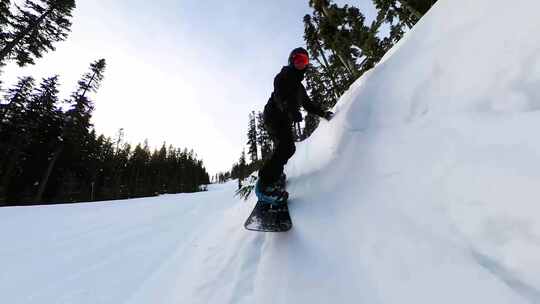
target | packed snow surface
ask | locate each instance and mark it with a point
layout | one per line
(424, 189)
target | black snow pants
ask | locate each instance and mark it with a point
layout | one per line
(279, 127)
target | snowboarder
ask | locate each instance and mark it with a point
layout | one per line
(280, 112)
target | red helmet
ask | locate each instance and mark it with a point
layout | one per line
(299, 58)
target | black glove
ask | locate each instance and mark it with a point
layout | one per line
(296, 116)
(328, 115)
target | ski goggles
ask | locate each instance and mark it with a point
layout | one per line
(300, 61)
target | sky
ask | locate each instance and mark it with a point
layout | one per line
(187, 73)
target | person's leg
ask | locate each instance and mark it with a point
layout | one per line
(284, 149)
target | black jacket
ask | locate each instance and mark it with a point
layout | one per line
(289, 95)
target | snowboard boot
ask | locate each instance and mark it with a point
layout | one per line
(272, 194)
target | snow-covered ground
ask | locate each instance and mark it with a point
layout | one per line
(424, 189)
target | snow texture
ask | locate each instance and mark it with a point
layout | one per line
(423, 189)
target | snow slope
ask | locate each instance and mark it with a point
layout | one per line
(423, 189)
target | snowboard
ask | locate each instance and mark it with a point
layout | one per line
(268, 218)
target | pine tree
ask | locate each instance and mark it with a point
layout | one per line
(172, 164)
(122, 158)
(14, 131)
(418, 7)
(242, 168)
(46, 114)
(158, 162)
(5, 19)
(352, 44)
(36, 26)
(101, 163)
(314, 45)
(29, 129)
(344, 33)
(16, 99)
(406, 12)
(263, 138)
(329, 36)
(138, 169)
(328, 17)
(400, 15)
(252, 138)
(343, 46)
(76, 125)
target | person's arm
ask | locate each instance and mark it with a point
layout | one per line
(309, 105)
(313, 108)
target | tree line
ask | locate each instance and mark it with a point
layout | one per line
(49, 150)
(342, 45)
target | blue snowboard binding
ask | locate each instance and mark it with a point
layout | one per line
(274, 195)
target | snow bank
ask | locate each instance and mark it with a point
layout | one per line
(442, 133)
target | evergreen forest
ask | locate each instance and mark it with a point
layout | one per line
(49, 149)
